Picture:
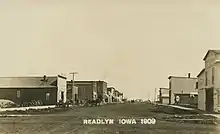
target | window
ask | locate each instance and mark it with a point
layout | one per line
(62, 96)
(213, 74)
(218, 93)
(197, 85)
(170, 84)
(18, 93)
(206, 79)
(47, 96)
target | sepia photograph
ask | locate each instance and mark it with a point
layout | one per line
(110, 67)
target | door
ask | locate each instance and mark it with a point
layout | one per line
(62, 96)
(170, 96)
(209, 100)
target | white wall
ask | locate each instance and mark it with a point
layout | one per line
(164, 92)
(217, 75)
(75, 90)
(201, 99)
(218, 57)
(165, 100)
(201, 91)
(61, 84)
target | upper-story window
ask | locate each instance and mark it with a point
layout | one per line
(206, 79)
(197, 85)
(213, 75)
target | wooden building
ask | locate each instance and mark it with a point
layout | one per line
(164, 95)
(48, 90)
(88, 90)
(209, 82)
(181, 85)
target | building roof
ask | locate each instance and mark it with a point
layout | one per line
(214, 51)
(201, 72)
(185, 94)
(28, 82)
(165, 88)
(87, 81)
(110, 87)
(117, 91)
(181, 77)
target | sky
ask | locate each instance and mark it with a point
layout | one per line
(132, 45)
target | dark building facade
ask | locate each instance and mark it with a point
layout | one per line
(88, 90)
(187, 99)
(48, 90)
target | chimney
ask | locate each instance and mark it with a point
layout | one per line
(188, 75)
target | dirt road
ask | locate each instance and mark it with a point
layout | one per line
(71, 122)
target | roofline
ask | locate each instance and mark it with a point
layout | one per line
(117, 91)
(26, 76)
(165, 88)
(62, 76)
(201, 72)
(89, 81)
(111, 87)
(181, 77)
(25, 87)
(185, 93)
(208, 53)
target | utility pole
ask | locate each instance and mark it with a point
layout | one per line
(155, 93)
(73, 88)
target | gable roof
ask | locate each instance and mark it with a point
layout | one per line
(28, 82)
(214, 51)
(201, 72)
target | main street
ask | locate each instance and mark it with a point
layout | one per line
(71, 122)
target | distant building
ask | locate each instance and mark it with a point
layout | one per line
(111, 95)
(47, 89)
(88, 90)
(181, 87)
(114, 95)
(164, 96)
(121, 97)
(118, 96)
(209, 82)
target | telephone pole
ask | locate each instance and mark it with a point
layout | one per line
(155, 94)
(73, 88)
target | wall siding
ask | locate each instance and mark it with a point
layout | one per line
(201, 91)
(61, 84)
(27, 95)
(201, 99)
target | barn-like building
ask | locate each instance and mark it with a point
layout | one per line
(47, 89)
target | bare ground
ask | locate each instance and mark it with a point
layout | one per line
(70, 122)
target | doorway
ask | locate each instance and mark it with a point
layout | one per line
(62, 96)
(209, 100)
